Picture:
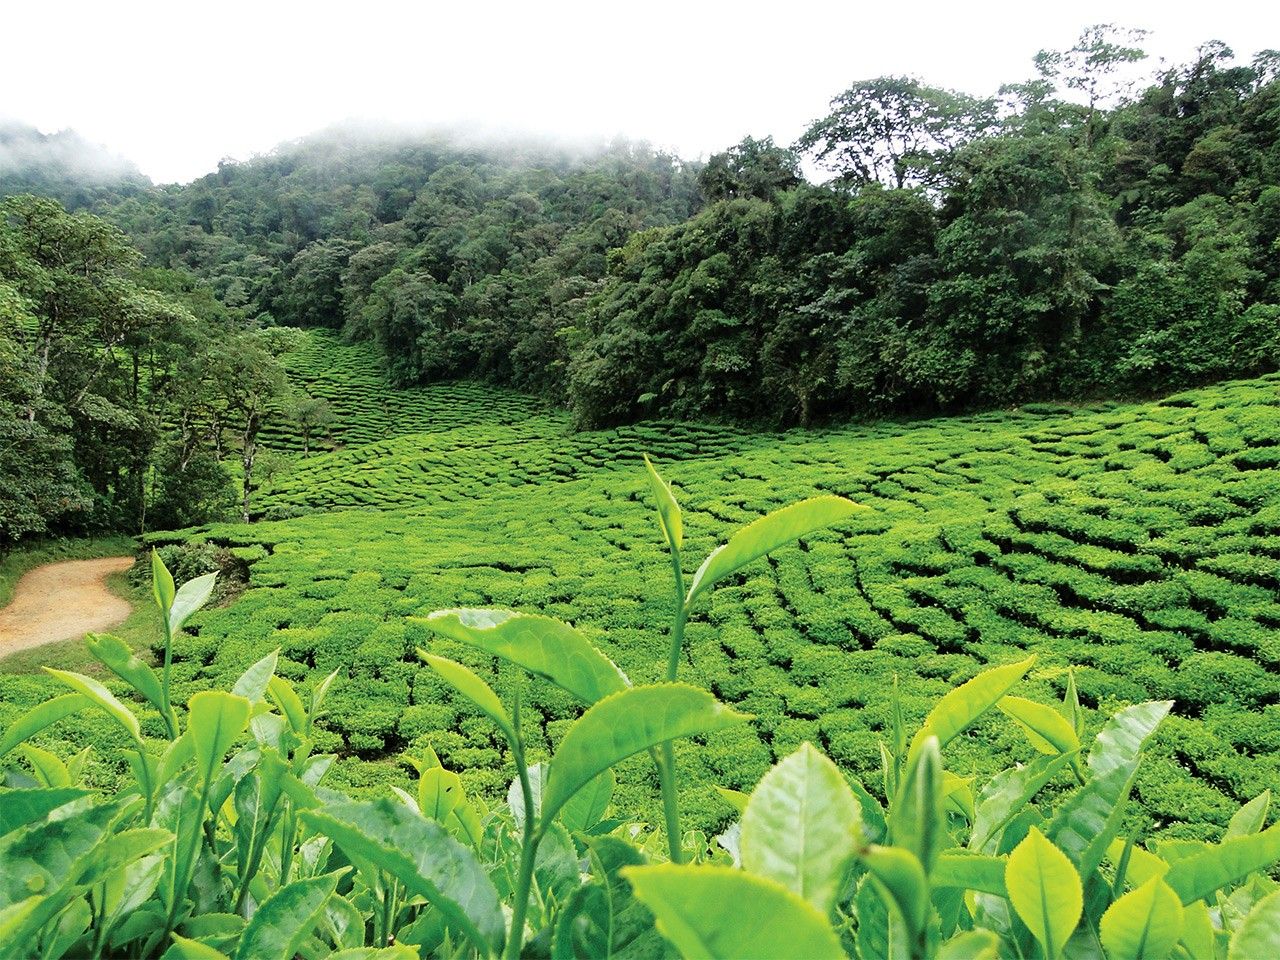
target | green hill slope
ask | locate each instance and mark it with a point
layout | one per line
(1139, 543)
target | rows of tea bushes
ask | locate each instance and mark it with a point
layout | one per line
(226, 843)
(365, 408)
(1140, 543)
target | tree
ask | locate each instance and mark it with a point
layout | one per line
(94, 354)
(895, 131)
(312, 414)
(41, 484)
(752, 168)
(1092, 67)
(250, 381)
(313, 292)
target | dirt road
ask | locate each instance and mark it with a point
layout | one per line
(62, 601)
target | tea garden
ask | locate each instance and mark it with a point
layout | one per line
(1134, 550)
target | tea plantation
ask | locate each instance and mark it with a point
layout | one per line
(1139, 543)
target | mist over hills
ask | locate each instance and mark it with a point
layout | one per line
(966, 251)
(63, 165)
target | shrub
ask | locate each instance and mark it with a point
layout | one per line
(251, 855)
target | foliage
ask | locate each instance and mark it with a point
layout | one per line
(116, 385)
(1131, 541)
(225, 843)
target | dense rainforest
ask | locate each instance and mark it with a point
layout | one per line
(1070, 237)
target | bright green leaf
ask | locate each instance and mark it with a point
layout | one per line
(669, 518)
(956, 711)
(544, 646)
(474, 689)
(252, 684)
(420, 854)
(184, 948)
(118, 657)
(624, 724)
(1045, 891)
(1047, 730)
(1121, 738)
(1258, 936)
(288, 703)
(970, 871)
(717, 913)
(1006, 795)
(49, 770)
(1144, 924)
(774, 530)
(971, 945)
(1200, 874)
(585, 808)
(1250, 818)
(162, 585)
(801, 827)
(41, 716)
(191, 596)
(101, 697)
(916, 820)
(215, 721)
(900, 876)
(284, 921)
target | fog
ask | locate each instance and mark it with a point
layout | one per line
(22, 149)
(177, 87)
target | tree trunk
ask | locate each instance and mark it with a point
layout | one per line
(248, 452)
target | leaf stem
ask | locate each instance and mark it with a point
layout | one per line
(666, 758)
(164, 680)
(528, 853)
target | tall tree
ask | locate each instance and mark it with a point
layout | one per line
(1094, 67)
(895, 131)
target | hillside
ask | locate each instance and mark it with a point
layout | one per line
(1139, 543)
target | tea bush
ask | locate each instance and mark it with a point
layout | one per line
(225, 842)
(1079, 534)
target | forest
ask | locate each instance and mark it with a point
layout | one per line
(861, 547)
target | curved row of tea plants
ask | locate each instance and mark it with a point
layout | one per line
(1139, 543)
(226, 842)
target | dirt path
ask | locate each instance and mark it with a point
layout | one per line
(62, 601)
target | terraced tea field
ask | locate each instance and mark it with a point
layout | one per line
(366, 408)
(1140, 543)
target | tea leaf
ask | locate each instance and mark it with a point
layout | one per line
(800, 827)
(279, 927)
(1259, 933)
(1144, 924)
(100, 696)
(1121, 738)
(624, 724)
(916, 819)
(118, 657)
(40, 716)
(900, 875)
(956, 711)
(1250, 818)
(215, 721)
(1197, 876)
(1045, 891)
(717, 913)
(544, 646)
(420, 854)
(774, 530)
(191, 596)
(474, 689)
(1047, 730)
(669, 518)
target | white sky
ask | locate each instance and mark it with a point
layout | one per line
(175, 86)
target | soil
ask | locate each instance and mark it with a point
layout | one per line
(62, 601)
